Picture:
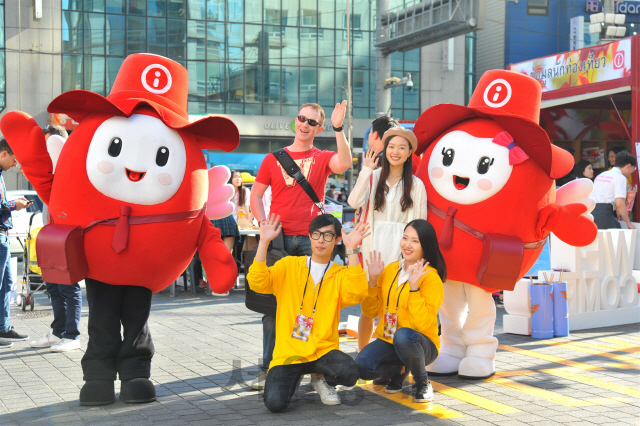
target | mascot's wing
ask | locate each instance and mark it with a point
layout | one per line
(220, 192)
(568, 223)
(27, 142)
(577, 191)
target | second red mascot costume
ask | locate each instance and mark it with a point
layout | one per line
(489, 171)
(135, 167)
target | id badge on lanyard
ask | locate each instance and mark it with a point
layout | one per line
(303, 324)
(391, 318)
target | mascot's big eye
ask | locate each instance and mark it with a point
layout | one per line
(115, 147)
(163, 156)
(484, 164)
(447, 157)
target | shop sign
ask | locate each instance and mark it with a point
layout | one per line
(279, 125)
(63, 120)
(629, 7)
(580, 67)
(576, 36)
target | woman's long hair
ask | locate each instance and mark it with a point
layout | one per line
(429, 243)
(240, 188)
(407, 181)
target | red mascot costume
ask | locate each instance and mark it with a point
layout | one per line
(133, 178)
(489, 171)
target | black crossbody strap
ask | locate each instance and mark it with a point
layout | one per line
(294, 171)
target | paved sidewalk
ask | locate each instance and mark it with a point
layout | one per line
(207, 349)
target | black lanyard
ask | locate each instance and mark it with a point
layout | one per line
(399, 293)
(319, 287)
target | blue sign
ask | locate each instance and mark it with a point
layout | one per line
(242, 162)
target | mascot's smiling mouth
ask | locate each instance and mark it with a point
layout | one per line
(137, 176)
(458, 182)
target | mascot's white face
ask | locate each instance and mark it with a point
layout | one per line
(466, 170)
(137, 160)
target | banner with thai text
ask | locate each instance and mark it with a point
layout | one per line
(580, 67)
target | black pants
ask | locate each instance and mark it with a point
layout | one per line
(337, 367)
(605, 216)
(107, 351)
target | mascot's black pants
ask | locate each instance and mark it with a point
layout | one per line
(107, 351)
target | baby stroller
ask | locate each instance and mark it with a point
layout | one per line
(31, 274)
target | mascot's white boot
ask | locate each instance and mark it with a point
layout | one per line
(467, 345)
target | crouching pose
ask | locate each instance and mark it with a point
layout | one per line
(407, 295)
(311, 291)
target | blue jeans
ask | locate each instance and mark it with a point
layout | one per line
(410, 348)
(337, 368)
(294, 245)
(6, 281)
(66, 301)
(297, 245)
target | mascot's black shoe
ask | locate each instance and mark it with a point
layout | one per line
(137, 391)
(97, 392)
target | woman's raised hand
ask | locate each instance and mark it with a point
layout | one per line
(354, 238)
(369, 159)
(269, 229)
(416, 272)
(375, 265)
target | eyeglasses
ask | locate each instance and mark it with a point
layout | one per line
(327, 236)
(312, 123)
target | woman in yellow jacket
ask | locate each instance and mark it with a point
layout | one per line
(406, 295)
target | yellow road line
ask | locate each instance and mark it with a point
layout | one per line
(470, 398)
(579, 348)
(610, 400)
(407, 401)
(539, 393)
(621, 345)
(593, 382)
(611, 347)
(550, 358)
(515, 373)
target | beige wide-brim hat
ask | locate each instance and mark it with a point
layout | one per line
(403, 133)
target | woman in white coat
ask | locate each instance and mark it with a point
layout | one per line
(390, 197)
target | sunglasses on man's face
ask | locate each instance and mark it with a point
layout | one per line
(312, 123)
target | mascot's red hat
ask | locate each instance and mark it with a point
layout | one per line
(513, 101)
(147, 80)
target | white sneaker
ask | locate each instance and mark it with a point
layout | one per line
(66, 345)
(258, 382)
(328, 394)
(424, 392)
(46, 341)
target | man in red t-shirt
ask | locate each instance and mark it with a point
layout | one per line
(289, 200)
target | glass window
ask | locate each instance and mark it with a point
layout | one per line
(94, 76)
(341, 49)
(290, 111)
(136, 35)
(215, 41)
(235, 42)
(1, 26)
(71, 4)
(412, 97)
(197, 80)
(272, 12)
(235, 10)
(326, 49)
(116, 6)
(234, 80)
(360, 113)
(197, 107)
(272, 39)
(156, 8)
(326, 81)
(215, 10)
(177, 39)
(412, 60)
(397, 61)
(290, 86)
(177, 9)
(538, 7)
(113, 66)
(195, 39)
(253, 83)
(308, 46)
(2, 78)
(215, 81)
(138, 7)
(94, 5)
(71, 32)
(252, 40)
(234, 109)
(253, 109)
(71, 72)
(326, 14)
(271, 109)
(308, 13)
(290, 49)
(215, 108)
(197, 9)
(94, 33)
(340, 86)
(115, 35)
(272, 86)
(411, 114)
(360, 88)
(290, 12)
(253, 12)
(157, 36)
(360, 51)
(308, 85)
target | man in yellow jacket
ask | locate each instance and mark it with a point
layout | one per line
(311, 291)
